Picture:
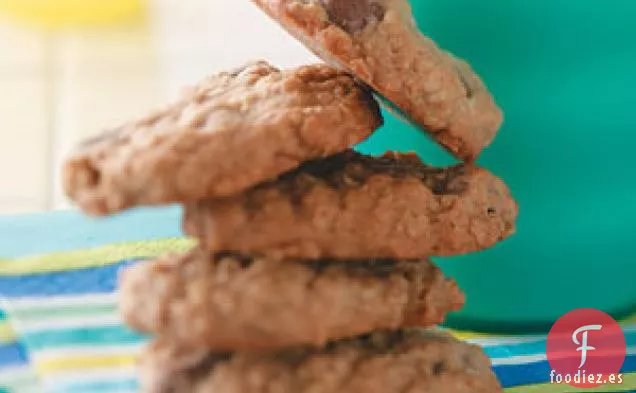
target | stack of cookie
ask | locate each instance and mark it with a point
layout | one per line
(311, 272)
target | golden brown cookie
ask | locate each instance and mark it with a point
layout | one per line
(230, 302)
(384, 362)
(378, 41)
(230, 132)
(351, 206)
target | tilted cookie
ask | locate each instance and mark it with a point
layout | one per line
(383, 362)
(232, 302)
(351, 206)
(235, 129)
(379, 42)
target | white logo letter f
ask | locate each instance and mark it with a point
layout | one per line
(583, 344)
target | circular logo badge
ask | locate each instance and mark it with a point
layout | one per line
(586, 348)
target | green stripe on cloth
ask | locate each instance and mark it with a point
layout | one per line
(629, 384)
(23, 384)
(65, 311)
(21, 379)
(95, 257)
(78, 337)
(26, 388)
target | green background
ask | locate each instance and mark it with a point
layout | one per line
(564, 73)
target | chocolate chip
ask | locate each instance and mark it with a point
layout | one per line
(449, 182)
(438, 368)
(364, 268)
(439, 188)
(89, 176)
(204, 367)
(467, 86)
(353, 15)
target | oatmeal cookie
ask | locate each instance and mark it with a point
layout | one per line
(230, 132)
(231, 302)
(389, 361)
(379, 42)
(351, 206)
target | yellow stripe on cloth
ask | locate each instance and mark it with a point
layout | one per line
(471, 335)
(630, 320)
(7, 335)
(95, 257)
(56, 366)
(629, 384)
(466, 335)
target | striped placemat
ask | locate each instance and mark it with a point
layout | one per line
(62, 307)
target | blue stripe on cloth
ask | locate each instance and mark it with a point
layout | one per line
(539, 372)
(3, 315)
(12, 355)
(537, 347)
(82, 336)
(31, 234)
(99, 386)
(630, 339)
(524, 374)
(101, 279)
(630, 364)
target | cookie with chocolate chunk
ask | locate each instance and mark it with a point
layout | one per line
(382, 362)
(352, 206)
(230, 132)
(228, 302)
(379, 42)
